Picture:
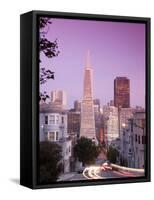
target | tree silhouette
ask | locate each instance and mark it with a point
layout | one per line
(112, 154)
(50, 165)
(49, 49)
(86, 150)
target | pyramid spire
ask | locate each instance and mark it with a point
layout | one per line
(88, 61)
(87, 125)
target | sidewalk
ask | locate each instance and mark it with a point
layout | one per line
(66, 176)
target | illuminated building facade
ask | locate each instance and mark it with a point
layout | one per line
(87, 128)
(122, 92)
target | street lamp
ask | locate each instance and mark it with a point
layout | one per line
(123, 125)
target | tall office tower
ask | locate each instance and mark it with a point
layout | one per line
(122, 92)
(111, 128)
(59, 97)
(98, 118)
(73, 122)
(87, 128)
(111, 103)
(96, 103)
(77, 105)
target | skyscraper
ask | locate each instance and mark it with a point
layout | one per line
(59, 97)
(77, 105)
(122, 92)
(73, 122)
(96, 103)
(87, 128)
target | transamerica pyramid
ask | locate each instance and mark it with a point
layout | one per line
(87, 128)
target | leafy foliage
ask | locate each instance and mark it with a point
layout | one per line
(112, 154)
(86, 150)
(49, 49)
(50, 166)
(123, 162)
(44, 96)
(45, 75)
(44, 21)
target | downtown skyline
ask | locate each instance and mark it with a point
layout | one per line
(116, 49)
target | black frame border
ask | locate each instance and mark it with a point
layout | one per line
(35, 98)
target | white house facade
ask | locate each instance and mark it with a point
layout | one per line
(53, 128)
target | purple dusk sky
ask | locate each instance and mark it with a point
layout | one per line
(116, 49)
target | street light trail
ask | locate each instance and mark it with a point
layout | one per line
(97, 172)
(85, 173)
(93, 172)
(124, 174)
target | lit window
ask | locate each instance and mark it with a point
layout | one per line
(51, 119)
(51, 136)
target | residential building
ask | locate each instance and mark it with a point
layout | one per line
(140, 139)
(53, 128)
(134, 141)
